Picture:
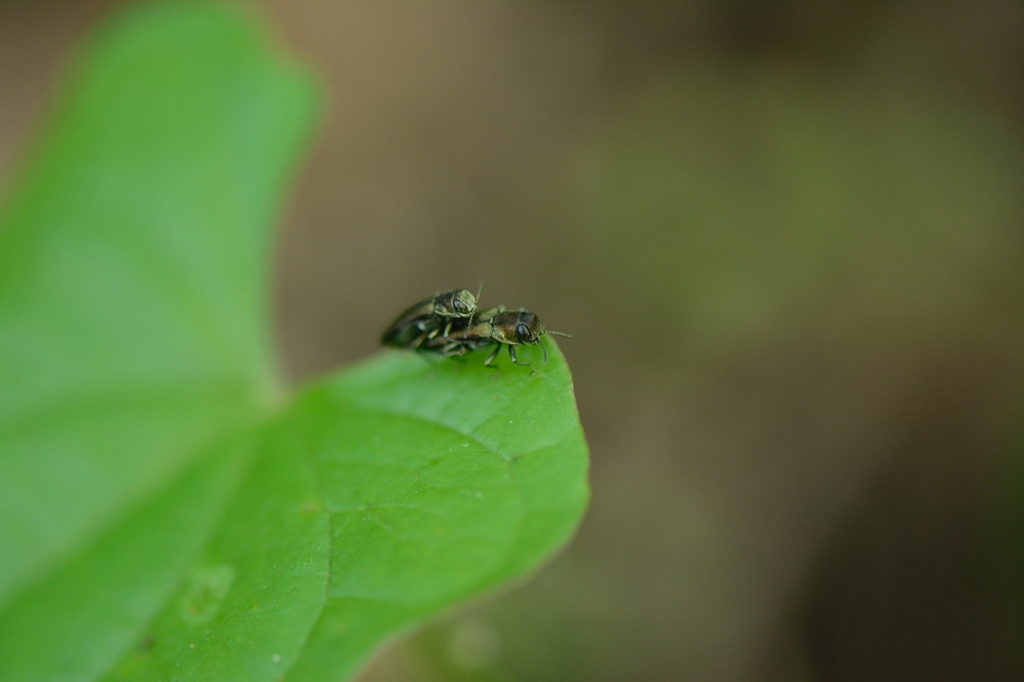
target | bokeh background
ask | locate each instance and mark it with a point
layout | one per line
(789, 239)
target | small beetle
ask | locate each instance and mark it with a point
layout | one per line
(494, 326)
(427, 318)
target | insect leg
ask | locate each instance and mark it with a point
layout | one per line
(512, 354)
(493, 355)
(418, 341)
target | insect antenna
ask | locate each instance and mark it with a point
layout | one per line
(544, 348)
(568, 336)
(479, 290)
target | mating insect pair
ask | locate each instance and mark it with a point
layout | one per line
(448, 324)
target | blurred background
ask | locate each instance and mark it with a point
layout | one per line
(789, 239)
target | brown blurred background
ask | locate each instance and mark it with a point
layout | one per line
(789, 239)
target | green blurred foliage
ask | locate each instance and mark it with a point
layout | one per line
(740, 198)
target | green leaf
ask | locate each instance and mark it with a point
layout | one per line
(440, 481)
(166, 511)
(133, 261)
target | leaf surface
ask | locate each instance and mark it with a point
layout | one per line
(133, 270)
(440, 480)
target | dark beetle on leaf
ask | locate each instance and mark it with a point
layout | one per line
(494, 326)
(430, 317)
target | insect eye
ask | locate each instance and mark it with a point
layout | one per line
(523, 332)
(460, 307)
